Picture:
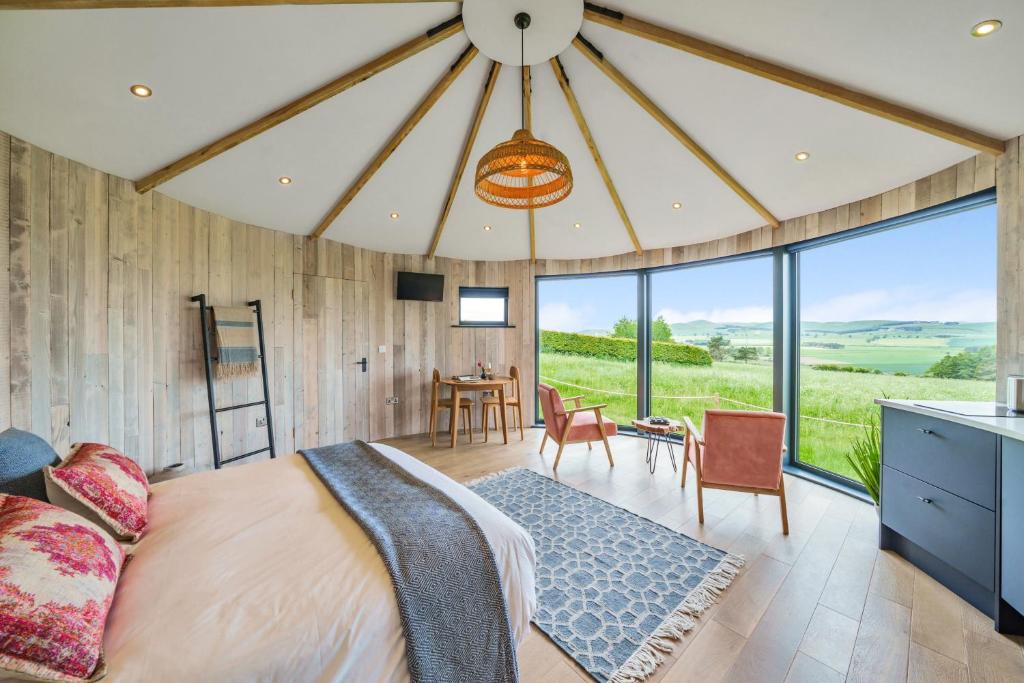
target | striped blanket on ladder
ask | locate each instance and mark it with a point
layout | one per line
(236, 339)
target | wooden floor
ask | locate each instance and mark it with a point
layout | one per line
(820, 605)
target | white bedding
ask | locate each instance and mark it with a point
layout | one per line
(256, 573)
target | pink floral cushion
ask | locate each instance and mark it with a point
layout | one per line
(108, 484)
(57, 578)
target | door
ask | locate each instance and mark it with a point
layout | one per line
(355, 322)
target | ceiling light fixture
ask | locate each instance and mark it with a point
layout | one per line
(802, 156)
(140, 90)
(986, 28)
(577, 225)
(524, 172)
(677, 205)
(285, 180)
(394, 215)
(487, 228)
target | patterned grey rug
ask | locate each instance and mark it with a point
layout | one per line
(614, 589)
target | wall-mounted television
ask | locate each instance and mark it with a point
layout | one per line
(420, 286)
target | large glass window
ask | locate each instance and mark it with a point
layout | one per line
(588, 340)
(904, 309)
(711, 334)
(907, 313)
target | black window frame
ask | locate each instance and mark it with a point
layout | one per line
(786, 324)
(791, 255)
(484, 293)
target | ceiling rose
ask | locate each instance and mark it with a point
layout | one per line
(490, 26)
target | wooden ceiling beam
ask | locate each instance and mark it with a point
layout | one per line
(581, 122)
(144, 4)
(396, 139)
(307, 101)
(794, 79)
(630, 88)
(467, 149)
(527, 85)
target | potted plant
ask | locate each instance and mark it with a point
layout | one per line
(865, 457)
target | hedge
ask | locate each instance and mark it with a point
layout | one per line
(616, 348)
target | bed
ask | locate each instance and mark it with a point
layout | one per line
(256, 573)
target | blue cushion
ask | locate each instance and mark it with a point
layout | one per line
(23, 456)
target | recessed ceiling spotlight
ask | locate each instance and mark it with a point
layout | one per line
(140, 90)
(986, 28)
(677, 205)
(802, 156)
(487, 228)
(577, 225)
(285, 180)
(394, 215)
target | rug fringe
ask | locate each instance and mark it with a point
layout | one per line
(492, 475)
(651, 654)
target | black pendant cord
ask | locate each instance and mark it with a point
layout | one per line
(522, 22)
(522, 71)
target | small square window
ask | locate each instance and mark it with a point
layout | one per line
(483, 306)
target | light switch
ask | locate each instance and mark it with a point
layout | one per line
(382, 349)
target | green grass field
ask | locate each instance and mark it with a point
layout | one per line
(826, 398)
(889, 346)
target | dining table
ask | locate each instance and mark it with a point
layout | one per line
(495, 383)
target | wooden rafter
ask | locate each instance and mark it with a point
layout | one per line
(630, 88)
(467, 148)
(143, 4)
(671, 126)
(581, 122)
(396, 139)
(296, 107)
(794, 79)
(527, 85)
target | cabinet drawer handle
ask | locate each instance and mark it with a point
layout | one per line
(925, 500)
(923, 430)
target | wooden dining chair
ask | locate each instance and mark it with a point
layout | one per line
(437, 404)
(490, 405)
(738, 451)
(576, 425)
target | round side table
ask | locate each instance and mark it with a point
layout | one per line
(657, 435)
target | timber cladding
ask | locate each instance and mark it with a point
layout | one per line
(98, 340)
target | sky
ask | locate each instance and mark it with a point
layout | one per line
(943, 269)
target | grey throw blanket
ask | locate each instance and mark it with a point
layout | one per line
(453, 611)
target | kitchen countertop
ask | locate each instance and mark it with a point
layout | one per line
(1012, 427)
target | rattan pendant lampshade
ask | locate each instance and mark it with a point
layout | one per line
(524, 172)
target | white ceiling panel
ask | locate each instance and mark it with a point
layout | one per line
(64, 78)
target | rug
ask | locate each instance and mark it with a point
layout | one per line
(613, 588)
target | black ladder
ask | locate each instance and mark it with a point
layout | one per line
(204, 322)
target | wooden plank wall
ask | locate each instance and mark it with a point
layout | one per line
(98, 339)
(972, 175)
(1010, 203)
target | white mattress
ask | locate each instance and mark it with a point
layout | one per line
(256, 573)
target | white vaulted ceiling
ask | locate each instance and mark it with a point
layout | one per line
(64, 78)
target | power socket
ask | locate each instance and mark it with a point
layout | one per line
(391, 400)
(261, 422)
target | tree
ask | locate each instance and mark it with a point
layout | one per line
(968, 364)
(745, 353)
(625, 328)
(661, 331)
(717, 347)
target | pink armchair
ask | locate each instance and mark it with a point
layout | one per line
(739, 451)
(576, 425)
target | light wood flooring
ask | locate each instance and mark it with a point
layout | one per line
(821, 605)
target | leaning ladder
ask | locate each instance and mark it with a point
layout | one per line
(204, 323)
